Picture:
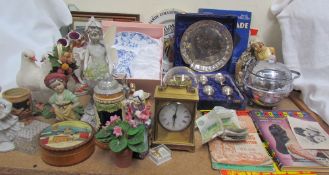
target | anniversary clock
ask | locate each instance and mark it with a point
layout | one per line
(175, 109)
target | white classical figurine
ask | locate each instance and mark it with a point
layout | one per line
(9, 126)
(96, 62)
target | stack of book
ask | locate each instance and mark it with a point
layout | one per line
(293, 139)
(285, 145)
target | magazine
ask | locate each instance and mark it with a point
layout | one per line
(248, 154)
(276, 172)
(310, 135)
(275, 130)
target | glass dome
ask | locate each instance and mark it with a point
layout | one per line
(180, 77)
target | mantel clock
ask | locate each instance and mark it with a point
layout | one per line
(175, 109)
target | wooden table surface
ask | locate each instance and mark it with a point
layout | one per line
(100, 161)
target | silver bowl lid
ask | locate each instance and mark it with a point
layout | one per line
(270, 70)
(108, 86)
(270, 76)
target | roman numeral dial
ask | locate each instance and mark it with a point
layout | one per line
(175, 116)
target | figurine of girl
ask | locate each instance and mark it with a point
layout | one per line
(63, 101)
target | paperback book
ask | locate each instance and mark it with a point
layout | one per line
(248, 155)
(286, 151)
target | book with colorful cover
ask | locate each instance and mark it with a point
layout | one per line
(275, 130)
(248, 155)
(276, 172)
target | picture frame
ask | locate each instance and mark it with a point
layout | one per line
(80, 18)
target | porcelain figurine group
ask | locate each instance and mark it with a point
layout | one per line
(81, 60)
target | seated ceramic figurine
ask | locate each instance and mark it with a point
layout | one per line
(139, 108)
(66, 105)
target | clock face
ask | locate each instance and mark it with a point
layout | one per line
(174, 116)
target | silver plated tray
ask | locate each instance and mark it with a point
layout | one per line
(206, 46)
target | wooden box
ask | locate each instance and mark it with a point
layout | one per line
(67, 143)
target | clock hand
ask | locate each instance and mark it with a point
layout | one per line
(175, 116)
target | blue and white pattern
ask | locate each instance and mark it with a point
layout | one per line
(132, 40)
(124, 62)
(136, 51)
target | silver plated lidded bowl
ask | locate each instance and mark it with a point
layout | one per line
(268, 82)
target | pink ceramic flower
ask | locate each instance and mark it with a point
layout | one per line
(144, 115)
(132, 123)
(108, 123)
(114, 118)
(117, 131)
(128, 116)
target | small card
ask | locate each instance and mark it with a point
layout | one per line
(309, 134)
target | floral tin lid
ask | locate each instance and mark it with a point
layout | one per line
(66, 135)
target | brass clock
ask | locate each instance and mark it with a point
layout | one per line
(175, 110)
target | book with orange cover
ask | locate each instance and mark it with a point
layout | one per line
(248, 155)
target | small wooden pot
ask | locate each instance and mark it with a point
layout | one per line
(21, 100)
(123, 159)
(67, 143)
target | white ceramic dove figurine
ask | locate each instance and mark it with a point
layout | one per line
(31, 76)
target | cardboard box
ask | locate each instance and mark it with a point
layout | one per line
(153, 30)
